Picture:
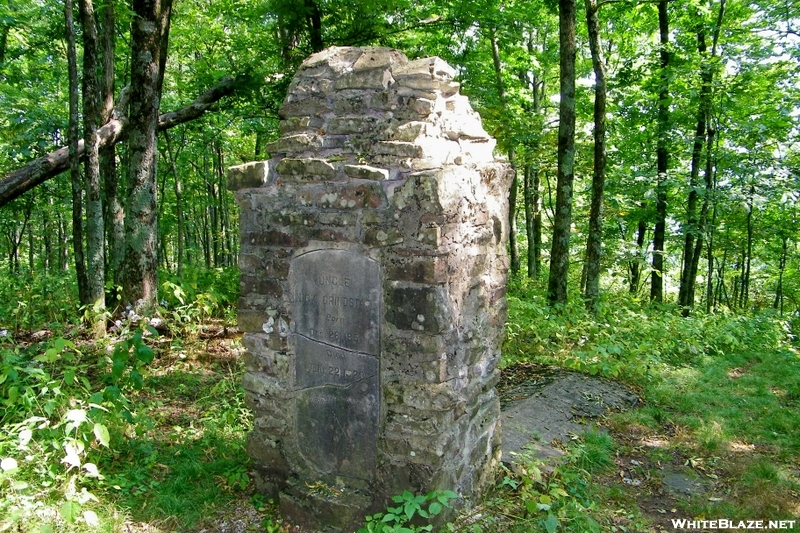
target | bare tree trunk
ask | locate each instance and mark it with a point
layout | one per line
(662, 159)
(74, 162)
(512, 192)
(114, 214)
(47, 258)
(559, 252)
(63, 254)
(594, 241)
(533, 220)
(95, 239)
(693, 229)
(748, 255)
(149, 36)
(781, 268)
(703, 222)
(178, 203)
(31, 254)
(635, 266)
(710, 304)
(314, 20)
(722, 291)
(4, 29)
(532, 179)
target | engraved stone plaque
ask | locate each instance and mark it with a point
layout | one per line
(336, 297)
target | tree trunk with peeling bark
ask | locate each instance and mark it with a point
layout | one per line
(149, 37)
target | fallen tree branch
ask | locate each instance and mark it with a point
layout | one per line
(48, 166)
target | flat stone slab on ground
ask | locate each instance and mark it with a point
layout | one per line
(556, 406)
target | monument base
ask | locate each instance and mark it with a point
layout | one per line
(324, 509)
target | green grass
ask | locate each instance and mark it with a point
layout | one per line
(187, 458)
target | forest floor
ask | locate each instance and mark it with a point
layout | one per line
(660, 469)
(715, 439)
(546, 408)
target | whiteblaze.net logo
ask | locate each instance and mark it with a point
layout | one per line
(724, 523)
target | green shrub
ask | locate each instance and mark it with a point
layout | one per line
(59, 424)
(39, 302)
(626, 337)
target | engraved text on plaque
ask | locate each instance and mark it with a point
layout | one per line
(336, 301)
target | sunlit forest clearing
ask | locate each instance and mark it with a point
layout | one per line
(653, 243)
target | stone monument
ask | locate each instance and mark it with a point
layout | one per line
(373, 281)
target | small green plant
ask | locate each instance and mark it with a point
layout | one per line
(270, 525)
(410, 506)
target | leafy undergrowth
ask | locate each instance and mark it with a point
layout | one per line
(627, 338)
(98, 441)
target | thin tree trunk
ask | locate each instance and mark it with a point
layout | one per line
(781, 268)
(662, 159)
(513, 241)
(31, 252)
(13, 256)
(532, 182)
(710, 303)
(314, 20)
(533, 220)
(216, 194)
(114, 213)
(63, 254)
(178, 203)
(206, 236)
(703, 222)
(722, 291)
(95, 239)
(149, 36)
(559, 252)
(512, 192)
(74, 162)
(595, 238)
(693, 229)
(162, 256)
(635, 266)
(745, 294)
(3, 42)
(47, 258)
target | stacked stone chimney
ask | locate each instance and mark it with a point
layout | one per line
(373, 265)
